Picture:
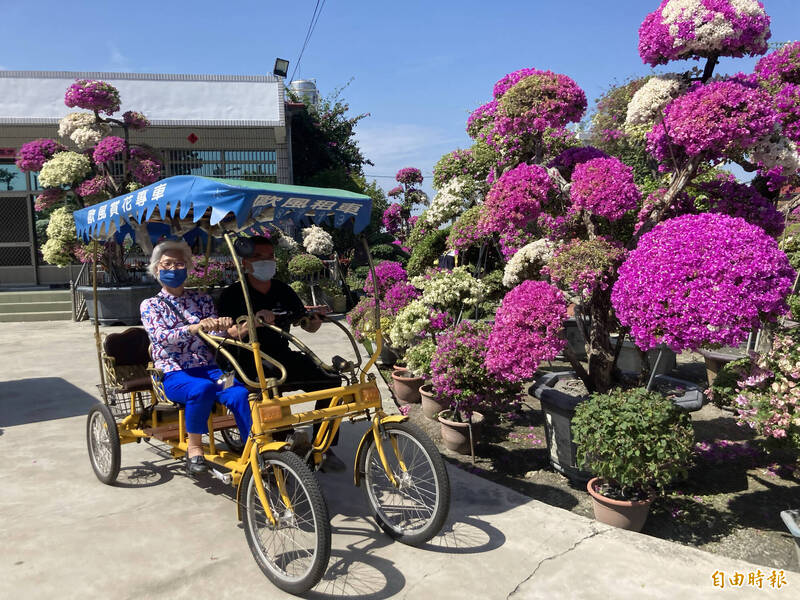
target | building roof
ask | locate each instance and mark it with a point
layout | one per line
(37, 97)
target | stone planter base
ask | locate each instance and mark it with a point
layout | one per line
(716, 359)
(118, 305)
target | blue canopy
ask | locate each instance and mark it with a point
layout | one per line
(186, 202)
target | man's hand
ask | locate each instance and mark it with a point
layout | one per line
(312, 322)
(267, 316)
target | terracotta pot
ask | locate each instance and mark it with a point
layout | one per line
(431, 405)
(625, 514)
(455, 435)
(406, 387)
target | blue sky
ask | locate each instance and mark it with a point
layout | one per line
(418, 68)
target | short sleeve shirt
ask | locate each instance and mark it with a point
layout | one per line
(280, 297)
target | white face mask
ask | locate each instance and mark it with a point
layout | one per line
(263, 270)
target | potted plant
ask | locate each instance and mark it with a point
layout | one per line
(460, 377)
(635, 442)
(418, 361)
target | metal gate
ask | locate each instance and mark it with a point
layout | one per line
(17, 241)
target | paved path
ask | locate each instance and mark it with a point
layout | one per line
(158, 534)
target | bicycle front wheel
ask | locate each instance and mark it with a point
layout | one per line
(415, 510)
(294, 552)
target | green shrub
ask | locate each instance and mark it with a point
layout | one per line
(725, 388)
(301, 289)
(391, 252)
(794, 306)
(634, 440)
(425, 254)
(304, 265)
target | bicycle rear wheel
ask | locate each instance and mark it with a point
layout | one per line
(415, 511)
(294, 552)
(102, 440)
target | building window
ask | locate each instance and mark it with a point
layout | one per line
(253, 165)
(11, 178)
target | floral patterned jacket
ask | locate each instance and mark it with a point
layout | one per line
(174, 348)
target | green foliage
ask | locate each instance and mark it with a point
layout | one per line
(282, 258)
(790, 244)
(494, 291)
(323, 139)
(330, 288)
(304, 265)
(725, 388)
(302, 289)
(794, 305)
(425, 254)
(633, 439)
(418, 357)
(389, 252)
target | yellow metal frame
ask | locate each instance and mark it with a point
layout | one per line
(270, 412)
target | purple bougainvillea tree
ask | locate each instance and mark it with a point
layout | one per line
(397, 219)
(88, 166)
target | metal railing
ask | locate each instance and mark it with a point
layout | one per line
(79, 309)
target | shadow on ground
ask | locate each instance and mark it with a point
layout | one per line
(41, 399)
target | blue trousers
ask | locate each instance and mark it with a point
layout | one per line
(197, 389)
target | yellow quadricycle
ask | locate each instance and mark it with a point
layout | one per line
(279, 501)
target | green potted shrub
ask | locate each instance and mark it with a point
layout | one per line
(418, 360)
(635, 442)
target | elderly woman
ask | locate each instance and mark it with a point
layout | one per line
(172, 319)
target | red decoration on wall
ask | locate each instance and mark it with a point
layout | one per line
(192, 138)
(8, 152)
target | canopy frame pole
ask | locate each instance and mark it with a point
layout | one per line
(97, 342)
(377, 315)
(251, 330)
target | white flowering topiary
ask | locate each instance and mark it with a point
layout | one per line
(449, 290)
(649, 101)
(410, 323)
(288, 243)
(527, 262)
(776, 151)
(61, 238)
(65, 168)
(82, 129)
(317, 241)
(448, 203)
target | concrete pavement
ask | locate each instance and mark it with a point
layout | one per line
(158, 534)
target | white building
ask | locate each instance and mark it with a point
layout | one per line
(214, 125)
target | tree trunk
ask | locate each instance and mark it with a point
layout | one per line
(601, 355)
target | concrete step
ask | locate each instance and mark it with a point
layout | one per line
(21, 307)
(24, 317)
(35, 296)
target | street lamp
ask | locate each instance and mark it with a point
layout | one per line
(281, 67)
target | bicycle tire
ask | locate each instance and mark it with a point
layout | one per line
(102, 441)
(416, 511)
(308, 521)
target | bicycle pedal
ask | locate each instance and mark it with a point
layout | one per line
(223, 477)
